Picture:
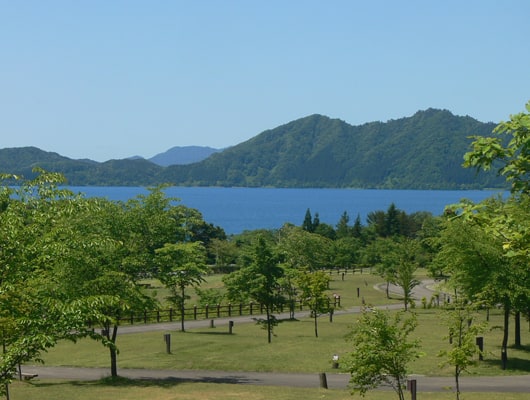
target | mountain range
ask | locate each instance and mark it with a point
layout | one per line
(423, 151)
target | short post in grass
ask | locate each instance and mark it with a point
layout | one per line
(212, 323)
(230, 326)
(167, 340)
(412, 387)
(480, 344)
(323, 380)
(358, 292)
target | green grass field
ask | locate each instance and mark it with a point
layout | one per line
(134, 390)
(247, 350)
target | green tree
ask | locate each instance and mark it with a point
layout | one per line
(478, 269)
(301, 249)
(35, 239)
(380, 253)
(259, 281)
(181, 265)
(509, 151)
(343, 229)
(382, 350)
(405, 257)
(224, 251)
(307, 225)
(313, 287)
(462, 334)
(345, 252)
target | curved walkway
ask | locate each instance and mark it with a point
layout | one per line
(519, 383)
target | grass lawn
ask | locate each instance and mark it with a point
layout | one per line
(294, 349)
(163, 390)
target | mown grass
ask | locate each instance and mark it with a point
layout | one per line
(171, 390)
(294, 349)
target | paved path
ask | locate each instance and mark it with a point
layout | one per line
(520, 383)
(335, 380)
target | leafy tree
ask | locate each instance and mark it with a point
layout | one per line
(313, 287)
(462, 335)
(326, 230)
(357, 228)
(35, 239)
(345, 252)
(381, 350)
(259, 280)
(478, 268)
(380, 254)
(301, 249)
(343, 230)
(224, 251)
(511, 154)
(181, 265)
(405, 256)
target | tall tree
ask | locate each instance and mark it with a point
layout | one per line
(307, 225)
(181, 265)
(313, 287)
(405, 256)
(259, 280)
(343, 229)
(35, 238)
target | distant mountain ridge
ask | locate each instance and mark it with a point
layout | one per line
(424, 151)
(183, 155)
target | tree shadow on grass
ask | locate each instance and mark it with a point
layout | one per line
(167, 382)
(515, 364)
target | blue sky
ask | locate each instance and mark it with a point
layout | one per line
(112, 79)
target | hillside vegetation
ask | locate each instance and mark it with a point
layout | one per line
(420, 152)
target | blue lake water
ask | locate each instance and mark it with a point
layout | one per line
(239, 209)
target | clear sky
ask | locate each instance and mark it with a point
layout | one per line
(106, 79)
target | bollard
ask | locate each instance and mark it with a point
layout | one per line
(167, 339)
(411, 385)
(212, 324)
(323, 380)
(480, 344)
(230, 326)
(331, 315)
(358, 292)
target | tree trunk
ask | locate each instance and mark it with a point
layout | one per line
(316, 325)
(269, 333)
(457, 382)
(504, 346)
(517, 329)
(113, 353)
(182, 309)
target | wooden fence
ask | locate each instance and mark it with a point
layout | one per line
(211, 312)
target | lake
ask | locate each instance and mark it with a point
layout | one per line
(239, 209)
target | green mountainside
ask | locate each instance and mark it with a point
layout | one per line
(424, 151)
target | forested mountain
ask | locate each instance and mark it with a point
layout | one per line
(424, 151)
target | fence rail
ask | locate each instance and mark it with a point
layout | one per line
(210, 312)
